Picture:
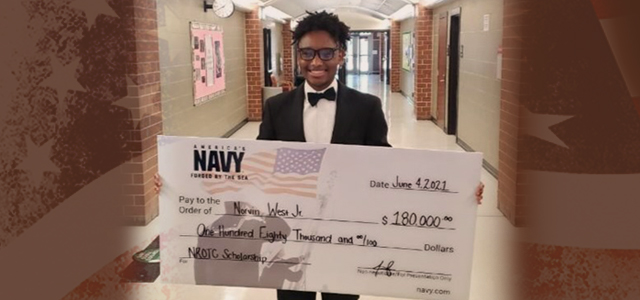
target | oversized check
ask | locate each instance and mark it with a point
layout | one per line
(318, 217)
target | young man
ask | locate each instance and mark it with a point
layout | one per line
(324, 110)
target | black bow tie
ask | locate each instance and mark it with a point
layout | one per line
(329, 94)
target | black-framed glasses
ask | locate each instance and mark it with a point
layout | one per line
(324, 53)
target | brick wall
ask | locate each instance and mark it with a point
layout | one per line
(255, 80)
(396, 56)
(143, 71)
(423, 62)
(287, 53)
(510, 179)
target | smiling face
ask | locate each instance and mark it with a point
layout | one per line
(319, 73)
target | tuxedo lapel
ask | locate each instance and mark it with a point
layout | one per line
(297, 125)
(344, 107)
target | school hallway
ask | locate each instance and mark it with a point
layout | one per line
(94, 92)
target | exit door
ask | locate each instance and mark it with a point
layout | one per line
(455, 54)
(359, 55)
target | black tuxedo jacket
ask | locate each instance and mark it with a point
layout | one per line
(359, 118)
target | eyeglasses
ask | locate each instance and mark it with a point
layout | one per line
(324, 53)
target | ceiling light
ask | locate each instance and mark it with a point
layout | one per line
(274, 13)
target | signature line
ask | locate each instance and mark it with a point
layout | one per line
(403, 271)
(250, 261)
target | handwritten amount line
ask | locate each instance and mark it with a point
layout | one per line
(294, 218)
(403, 271)
(423, 190)
(437, 228)
(251, 261)
(298, 241)
(382, 247)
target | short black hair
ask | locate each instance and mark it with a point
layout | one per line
(323, 21)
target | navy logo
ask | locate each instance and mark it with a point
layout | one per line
(218, 160)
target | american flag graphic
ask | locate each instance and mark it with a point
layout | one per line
(619, 27)
(283, 171)
(574, 170)
(72, 89)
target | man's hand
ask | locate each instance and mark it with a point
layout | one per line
(158, 182)
(479, 191)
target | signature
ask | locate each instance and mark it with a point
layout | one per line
(386, 269)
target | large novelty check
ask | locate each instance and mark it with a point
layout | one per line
(317, 217)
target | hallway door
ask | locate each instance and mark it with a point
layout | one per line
(364, 57)
(388, 57)
(384, 57)
(455, 54)
(359, 58)
(442, 69)
(268, 71)
(350, 59)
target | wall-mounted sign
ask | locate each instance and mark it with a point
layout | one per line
(208, 62)
(487, 21)
(407, 48)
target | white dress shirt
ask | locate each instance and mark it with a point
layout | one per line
(319, 120)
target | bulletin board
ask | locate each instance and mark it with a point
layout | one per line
(407, 49)
(208, 62)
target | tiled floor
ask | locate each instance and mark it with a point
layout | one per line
(490, 280)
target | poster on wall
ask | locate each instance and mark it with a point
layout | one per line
(208, 62)
(407, 50)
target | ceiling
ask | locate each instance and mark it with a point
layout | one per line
(384, 10)
(381, 9)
